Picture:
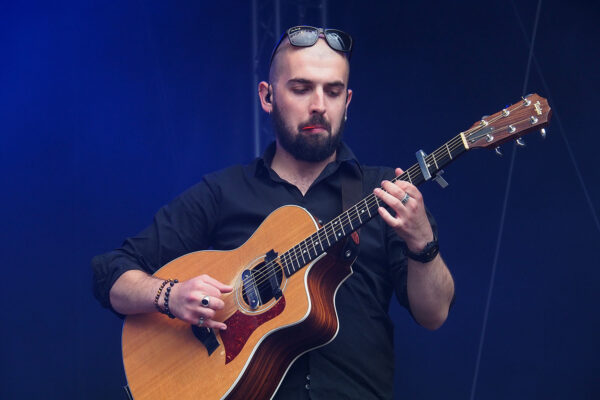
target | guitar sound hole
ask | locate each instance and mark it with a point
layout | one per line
(264, 284)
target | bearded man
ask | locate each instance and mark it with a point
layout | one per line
(307, 97)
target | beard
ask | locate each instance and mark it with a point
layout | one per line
(303, 146)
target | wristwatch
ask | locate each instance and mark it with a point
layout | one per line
(428, 253)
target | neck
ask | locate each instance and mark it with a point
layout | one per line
(299, 173)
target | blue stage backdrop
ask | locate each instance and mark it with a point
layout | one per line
(110, 109)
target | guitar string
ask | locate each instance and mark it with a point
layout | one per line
(297, 251)
(270, 269)
(329, 230)
(303, 247)
(370, 201)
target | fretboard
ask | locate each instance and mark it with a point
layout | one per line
(356, 216)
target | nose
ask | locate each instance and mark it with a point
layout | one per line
(317, 103)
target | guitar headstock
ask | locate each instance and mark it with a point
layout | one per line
(531, 113)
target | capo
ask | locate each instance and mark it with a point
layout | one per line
(425, 171)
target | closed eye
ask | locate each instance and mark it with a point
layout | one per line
(335, 89)
(300, 90)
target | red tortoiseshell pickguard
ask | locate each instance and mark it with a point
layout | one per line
(240, 326)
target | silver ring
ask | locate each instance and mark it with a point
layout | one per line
(205, 302)
(405, 198)
(200, 321)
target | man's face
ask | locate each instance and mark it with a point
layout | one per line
(310, 100)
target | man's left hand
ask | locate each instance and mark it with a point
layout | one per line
(410, 222)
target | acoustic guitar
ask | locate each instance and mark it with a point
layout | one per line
(285, 279)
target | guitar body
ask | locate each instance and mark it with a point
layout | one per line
(164, 359)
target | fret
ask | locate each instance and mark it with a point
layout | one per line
(313, 245)
(338, 222)
(368, 208)
(349, 220)
(304, 252)
(408, 176)
(320, 242)
(297, 265)
(357, 214)
(327, 236)
(291, 263)
(448, 149)
(335, 236)
(307, 250)
(298, 254)
(434, 161)
(286, 266)
(285, 261)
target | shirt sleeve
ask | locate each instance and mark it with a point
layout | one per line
(396, 249)
(182, 226)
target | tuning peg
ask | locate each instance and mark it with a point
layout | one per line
(543, 133)
(499, 151)
(521, 142)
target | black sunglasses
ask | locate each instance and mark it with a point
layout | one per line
(306, 36)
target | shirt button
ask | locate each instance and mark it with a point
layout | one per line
(307, 386)
(308, 377)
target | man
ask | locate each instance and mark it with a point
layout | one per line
(308, 99)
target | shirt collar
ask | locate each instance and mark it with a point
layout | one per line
(344, 156)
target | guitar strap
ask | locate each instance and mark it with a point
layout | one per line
(352, 192)
(352, 185)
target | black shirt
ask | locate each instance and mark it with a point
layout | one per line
(226, 207)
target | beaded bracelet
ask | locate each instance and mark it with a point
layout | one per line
(162, 286)
(167, 293)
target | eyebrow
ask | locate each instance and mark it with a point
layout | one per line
(303, 81)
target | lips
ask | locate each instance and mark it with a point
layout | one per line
(315, 124)
(313, 127)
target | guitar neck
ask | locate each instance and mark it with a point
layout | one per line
(356, 216)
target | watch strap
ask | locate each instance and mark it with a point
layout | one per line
(429, 252)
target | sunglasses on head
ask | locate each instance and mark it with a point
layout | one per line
(306, 36)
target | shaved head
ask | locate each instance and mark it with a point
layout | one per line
(279, 61)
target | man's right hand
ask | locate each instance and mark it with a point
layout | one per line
(134, 292)
(186, 301)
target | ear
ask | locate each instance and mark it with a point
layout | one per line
(264, 90)
(348, 99)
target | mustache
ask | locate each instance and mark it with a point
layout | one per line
(316, 120)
